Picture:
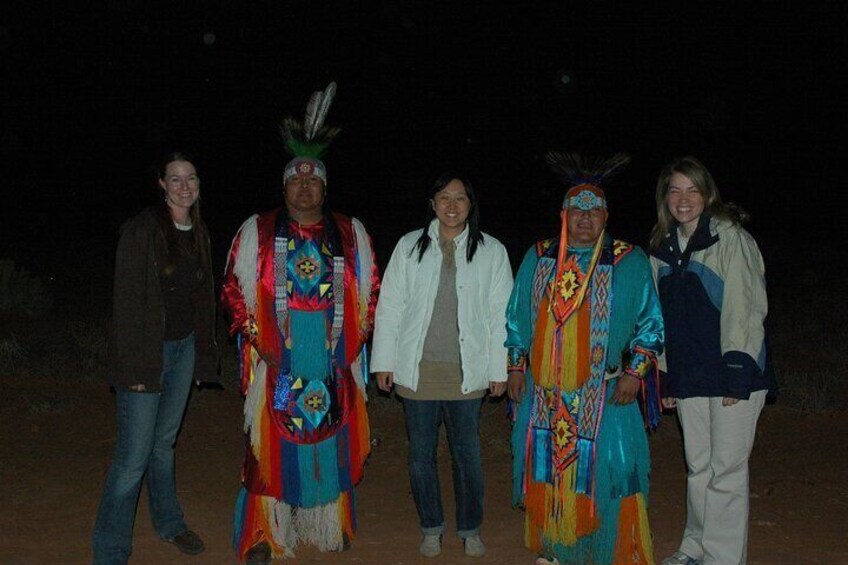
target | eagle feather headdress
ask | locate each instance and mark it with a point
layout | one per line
(311, 137)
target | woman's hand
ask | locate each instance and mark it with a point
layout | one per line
(385, 380)
(515, 385)
(497, 388)
(727, 401)
(138, 388)
(669, 403)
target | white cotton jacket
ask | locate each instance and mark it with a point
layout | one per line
(405, 308)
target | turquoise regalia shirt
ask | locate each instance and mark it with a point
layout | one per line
(620, 462)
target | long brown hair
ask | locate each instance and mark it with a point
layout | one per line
(168, 233)
(697, 172)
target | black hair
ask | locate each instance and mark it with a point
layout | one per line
(475, 236)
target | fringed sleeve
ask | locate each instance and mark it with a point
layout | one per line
(519, 335)
(647, 342)
(519, 330)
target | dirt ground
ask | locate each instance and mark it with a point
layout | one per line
(57, 443)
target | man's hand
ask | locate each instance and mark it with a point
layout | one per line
(385, 380)
(138, 388)
(727, 401)
(497, 388)
(626, 389)
(515, 385)
(669, 403)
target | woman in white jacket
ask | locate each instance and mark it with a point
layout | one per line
(439, 340)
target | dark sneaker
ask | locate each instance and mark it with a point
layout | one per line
(259, 554)
(188, 542)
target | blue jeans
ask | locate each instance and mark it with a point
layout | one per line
(462, 422)
(147, 431)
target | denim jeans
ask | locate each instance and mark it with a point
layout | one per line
(147, 431)
(462, 422)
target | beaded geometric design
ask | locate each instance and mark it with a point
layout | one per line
(593, 390)
(620, 249)
(314, 402)
(564, 428)
(285, 392)
(310, 275)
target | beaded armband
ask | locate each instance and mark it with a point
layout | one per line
(516, 359)
(641, 363)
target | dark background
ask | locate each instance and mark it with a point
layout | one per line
(91, 93)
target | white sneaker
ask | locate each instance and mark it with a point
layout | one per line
(680, 558)
(543, 561)
(431, 546)
(474, 547)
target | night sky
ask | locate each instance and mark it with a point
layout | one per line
(91, 93)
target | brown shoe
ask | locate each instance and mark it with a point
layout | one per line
(259, 554)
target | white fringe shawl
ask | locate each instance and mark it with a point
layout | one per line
(255, 400)
(246, 267)
(366, 263)
(246, 271)
(365, 260)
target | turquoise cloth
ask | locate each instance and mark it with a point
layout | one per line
(318, 463)
(622, 463)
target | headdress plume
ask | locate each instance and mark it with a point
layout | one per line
(311, 138)
(576, 169)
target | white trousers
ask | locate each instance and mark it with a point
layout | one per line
(718, 440)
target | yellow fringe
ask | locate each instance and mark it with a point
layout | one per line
(568, 348)
(556, 513)
(557, 366)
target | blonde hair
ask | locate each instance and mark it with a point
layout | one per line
(697, 172)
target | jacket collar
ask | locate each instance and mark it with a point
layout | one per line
(702, 238)
(433, 232)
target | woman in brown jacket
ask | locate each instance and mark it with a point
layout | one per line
(163, 338)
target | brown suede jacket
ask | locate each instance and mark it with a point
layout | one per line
(138, 314)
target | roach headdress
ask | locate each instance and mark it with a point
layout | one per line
(585, 178)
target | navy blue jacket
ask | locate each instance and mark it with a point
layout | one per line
(714, 306)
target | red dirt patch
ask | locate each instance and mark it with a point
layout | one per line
(57, 440)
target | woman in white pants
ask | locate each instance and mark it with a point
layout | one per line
(711, 282)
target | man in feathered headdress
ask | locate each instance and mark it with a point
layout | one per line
(584, 327)
(301, 285)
